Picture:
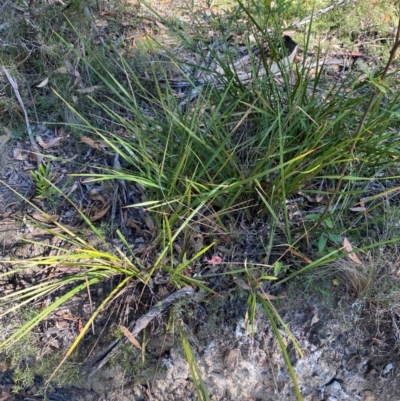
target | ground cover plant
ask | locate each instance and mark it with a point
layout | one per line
(205, 133)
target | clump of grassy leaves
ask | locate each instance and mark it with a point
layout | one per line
(238, 151)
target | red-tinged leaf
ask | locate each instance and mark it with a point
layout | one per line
(356, 54)
(215, 260)
(349, 248)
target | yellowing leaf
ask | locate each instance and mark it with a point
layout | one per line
(61, 70)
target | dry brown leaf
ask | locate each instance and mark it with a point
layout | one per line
(90, 142)
(70, 159)
(36, 151)
(28, 166)
(61, 70)
(53, 342)
(20, 154)
(90, 89)
(73, 188)
(5, 138)
(349, 248)
(46, 218)
(133, 224)
(270, 297)
(160, 25)
(80, 325)
(43, 83)
(178, 248)
(99, 145)
(101, 23)
(130, 337)
(52, 142)
(65, 228)
(100, 214)
(40, 141)
(7, 397)
(149, 223)
(99, 198)
(358, 209)
(69, 269)
(78, 80)
(62, 324)
(242, 284)
(322, 199)
(67, 316)
(300, 255)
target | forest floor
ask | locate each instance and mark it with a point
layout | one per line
(290, 265)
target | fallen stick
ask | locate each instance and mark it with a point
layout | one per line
(135, 328)
(322, 11)
(34, 145)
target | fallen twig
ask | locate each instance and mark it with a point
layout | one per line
(34, 145)
(322, 11)
(135, 328)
